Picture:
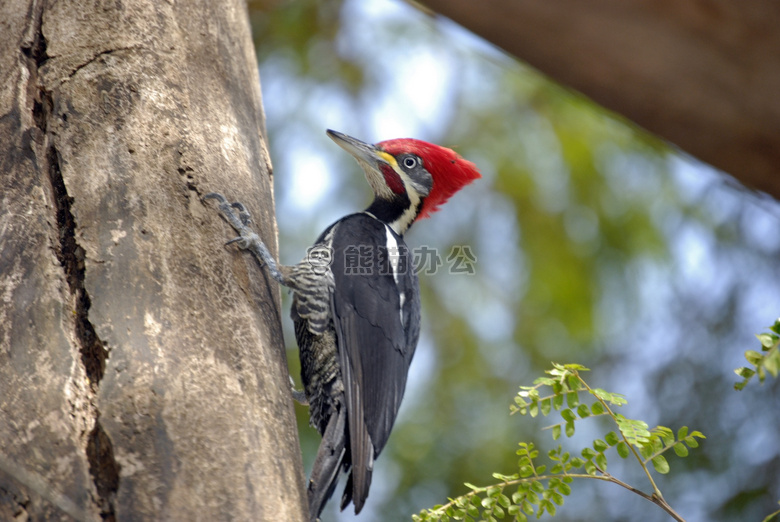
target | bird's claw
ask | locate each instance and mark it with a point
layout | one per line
(298, 395)
(243, 213)
(244, 241)
(239, 222)
(239, 218)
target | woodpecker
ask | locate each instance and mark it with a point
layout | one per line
(356, 306)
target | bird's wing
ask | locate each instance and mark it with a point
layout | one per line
(376, 336)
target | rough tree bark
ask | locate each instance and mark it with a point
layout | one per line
(703, 74)
(142, 374)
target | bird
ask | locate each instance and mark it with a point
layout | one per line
(356, 306)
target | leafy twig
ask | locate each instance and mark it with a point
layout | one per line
(768, 360)
(539, 491)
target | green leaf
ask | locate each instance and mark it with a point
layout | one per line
(601, 461)
(550, 507)
(682, 433)
(583, 411)
(588, 453)
(558, 402)
(646, 450)
(597, 408)
(660, 465)
(568, 415)
(657, 442)
(772, 363)
(556, 432)
(776, 327)
(504, 501)
(753, 357)
(623, 450)
(680, 449)
(600, 446)
(546, 405)
(635, 431)
(570, 429)
(765, 340)
(691, 442)
(666, 435)
(537, 486)
(612, 438)
(744, 372)
(564, 489)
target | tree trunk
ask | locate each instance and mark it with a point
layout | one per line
(142, 370)
(703, 74)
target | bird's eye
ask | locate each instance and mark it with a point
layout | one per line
(410, 162)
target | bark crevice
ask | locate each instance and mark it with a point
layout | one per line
(98, 56)
(103, 467)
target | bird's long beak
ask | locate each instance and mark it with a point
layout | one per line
(371, 159)
(361, 151)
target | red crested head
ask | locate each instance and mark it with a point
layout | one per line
(449, 170)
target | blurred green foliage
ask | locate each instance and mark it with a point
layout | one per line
(594, 242)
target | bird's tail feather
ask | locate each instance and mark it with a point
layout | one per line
(330, 457)
(357, 495)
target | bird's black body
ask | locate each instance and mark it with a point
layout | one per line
(356, 307)
(354, 369)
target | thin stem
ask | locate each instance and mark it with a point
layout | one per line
(655, 499)
(656, 491)
(770, 516)
(606, 477)
(661, 451)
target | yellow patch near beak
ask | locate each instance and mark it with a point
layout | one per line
(388, 158)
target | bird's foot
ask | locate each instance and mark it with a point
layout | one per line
(298, 395)
(239, 218)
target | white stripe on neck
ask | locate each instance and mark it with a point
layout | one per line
(394, 258)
